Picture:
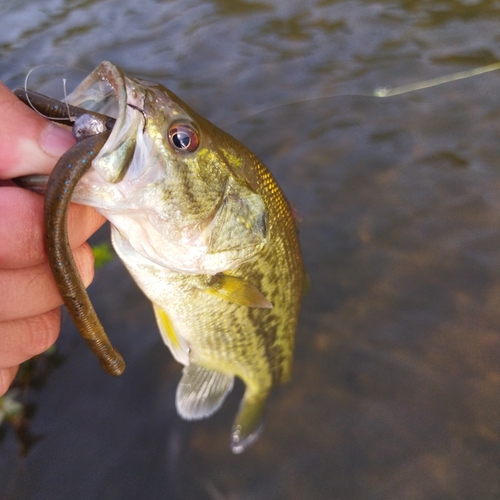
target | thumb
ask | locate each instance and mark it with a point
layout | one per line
(29, 143)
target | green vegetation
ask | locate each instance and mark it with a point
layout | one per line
(103, 253)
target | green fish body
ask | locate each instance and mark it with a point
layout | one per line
(207, 234)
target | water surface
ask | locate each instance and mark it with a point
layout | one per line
(396, 386)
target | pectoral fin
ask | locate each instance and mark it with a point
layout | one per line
(201, 392)
(248, 423)
(238, 291)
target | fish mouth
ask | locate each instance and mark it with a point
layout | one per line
(108, 91)
(103, 91)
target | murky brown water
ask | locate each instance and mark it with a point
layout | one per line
(396, 387)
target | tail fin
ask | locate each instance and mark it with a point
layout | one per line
(248, 423)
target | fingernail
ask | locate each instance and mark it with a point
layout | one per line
(55, 140)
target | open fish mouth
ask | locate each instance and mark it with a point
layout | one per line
(109, 92)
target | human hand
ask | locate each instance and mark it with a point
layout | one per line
(29, 299)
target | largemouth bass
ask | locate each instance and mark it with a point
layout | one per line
(204, 230)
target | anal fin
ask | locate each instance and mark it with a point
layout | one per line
(201, 391)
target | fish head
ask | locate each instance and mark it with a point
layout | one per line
(179, 190)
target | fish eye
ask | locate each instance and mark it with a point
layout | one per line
(183, 137)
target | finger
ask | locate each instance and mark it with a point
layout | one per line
(7, 376)
(22, 339)
(21, 227)
(33, 291)
(30, 144)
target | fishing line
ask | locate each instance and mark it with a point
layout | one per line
(70, 118)
(434, 82)
(26, 90)
(382, 91)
